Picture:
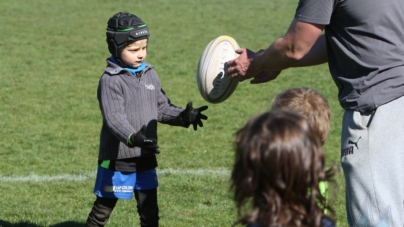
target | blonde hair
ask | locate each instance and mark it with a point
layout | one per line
(309, 103)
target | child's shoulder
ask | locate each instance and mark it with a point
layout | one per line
(112, 68)
(148, 65)
(150, 69)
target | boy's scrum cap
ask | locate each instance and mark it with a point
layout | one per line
(123, 29)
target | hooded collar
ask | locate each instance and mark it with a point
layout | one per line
(114, 67)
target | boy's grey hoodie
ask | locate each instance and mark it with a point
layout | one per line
(128, 102)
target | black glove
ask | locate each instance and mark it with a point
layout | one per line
(139, 140)
(193, 116)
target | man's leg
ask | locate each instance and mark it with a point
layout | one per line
(372, 158)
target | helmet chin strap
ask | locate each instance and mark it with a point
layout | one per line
(122, 63)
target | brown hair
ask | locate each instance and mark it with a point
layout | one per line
(278, 166)
(309, 103)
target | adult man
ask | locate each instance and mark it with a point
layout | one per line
(363, 44)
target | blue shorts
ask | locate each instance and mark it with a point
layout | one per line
(120, 185)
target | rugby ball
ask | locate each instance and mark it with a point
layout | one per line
(213, 84)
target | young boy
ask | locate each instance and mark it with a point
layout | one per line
(313, 106)
(132, 101)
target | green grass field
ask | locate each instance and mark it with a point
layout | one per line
(52, 55)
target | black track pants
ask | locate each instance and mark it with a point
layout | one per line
(147, 209)
(101, 211)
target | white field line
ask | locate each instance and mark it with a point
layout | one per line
(91, 175)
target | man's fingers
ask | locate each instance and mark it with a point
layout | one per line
(240, 51)
(233, 72)
(226, 67)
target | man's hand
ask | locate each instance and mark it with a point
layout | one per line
(193, 116)
(239, 68)
(139, 140)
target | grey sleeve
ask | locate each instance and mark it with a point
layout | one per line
(168, 113)
(315, 11)
(111, 102)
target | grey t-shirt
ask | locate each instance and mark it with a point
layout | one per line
(365, 44)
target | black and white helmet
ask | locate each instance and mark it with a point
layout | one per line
(123, 29)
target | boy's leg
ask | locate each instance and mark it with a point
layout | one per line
(109, 186)
(147, 207)
(146, 197)
(101, 211)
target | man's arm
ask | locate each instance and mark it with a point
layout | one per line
(316, 56)
(302, 45)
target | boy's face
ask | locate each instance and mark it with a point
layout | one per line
(135, 53)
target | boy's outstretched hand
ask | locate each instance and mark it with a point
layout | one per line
(139, 140)
(193, 116)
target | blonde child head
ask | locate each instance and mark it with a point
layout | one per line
(309, 103)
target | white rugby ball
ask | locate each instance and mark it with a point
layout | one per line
(213, 84)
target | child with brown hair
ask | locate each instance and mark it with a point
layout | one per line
(278, 166)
